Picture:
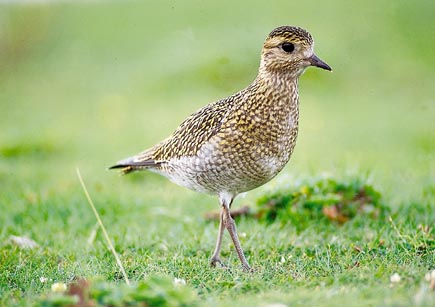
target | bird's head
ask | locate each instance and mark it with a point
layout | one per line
(289, 50)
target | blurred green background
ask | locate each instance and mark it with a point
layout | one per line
(84, 84)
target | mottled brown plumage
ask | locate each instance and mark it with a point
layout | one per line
(241, 142)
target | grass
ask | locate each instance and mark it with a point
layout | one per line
(83, 85)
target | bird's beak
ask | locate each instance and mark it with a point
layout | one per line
(315, 61)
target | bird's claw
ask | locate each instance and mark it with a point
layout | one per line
(248, 269)
(215, 260)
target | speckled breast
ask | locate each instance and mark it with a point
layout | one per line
(246, 153)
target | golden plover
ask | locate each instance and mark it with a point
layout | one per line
(240, 142)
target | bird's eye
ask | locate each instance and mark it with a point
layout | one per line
(288, 47)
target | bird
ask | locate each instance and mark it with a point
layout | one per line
(241, 142)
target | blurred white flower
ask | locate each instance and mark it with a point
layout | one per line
(23, 242)
(395, 278)
(43, 279)
(58, 287)
(179, 281)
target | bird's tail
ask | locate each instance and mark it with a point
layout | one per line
(125, 169)
(135, 163)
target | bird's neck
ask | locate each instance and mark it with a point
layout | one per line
(280, 88)
(278, 80)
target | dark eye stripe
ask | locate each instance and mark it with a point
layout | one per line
(288, 47)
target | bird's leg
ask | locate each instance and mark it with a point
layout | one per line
(230, 225)
(216, 254)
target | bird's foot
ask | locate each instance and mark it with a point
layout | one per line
(247, 268)
(215, 260)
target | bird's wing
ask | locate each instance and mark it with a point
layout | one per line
(187, 139)
(196, 130)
